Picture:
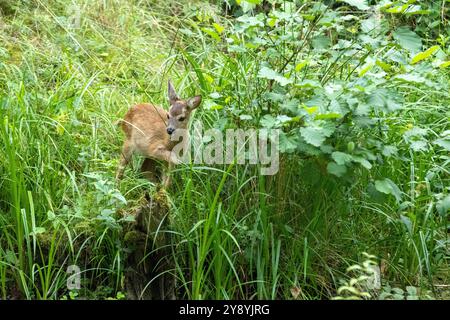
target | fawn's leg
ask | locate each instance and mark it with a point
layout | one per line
(166, 176)
(125, 157)
(164, 154)
(149, 170)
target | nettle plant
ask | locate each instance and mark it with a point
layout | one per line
(331, 79)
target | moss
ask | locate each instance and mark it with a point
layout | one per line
(134, 236)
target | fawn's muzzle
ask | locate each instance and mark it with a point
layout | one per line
(170, 130)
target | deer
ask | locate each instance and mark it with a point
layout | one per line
(148, 130)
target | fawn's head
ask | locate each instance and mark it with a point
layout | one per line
(180, 110)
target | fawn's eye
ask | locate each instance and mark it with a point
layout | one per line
(181, 119)
(168, 116)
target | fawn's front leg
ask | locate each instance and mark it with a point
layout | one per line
(166, 176)
(125, 157)
(170, 157)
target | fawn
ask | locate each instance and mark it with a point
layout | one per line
(148, 131)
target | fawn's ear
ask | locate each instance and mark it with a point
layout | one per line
(172, 93)
(194, 102)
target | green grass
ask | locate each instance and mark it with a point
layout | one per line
(234, 233)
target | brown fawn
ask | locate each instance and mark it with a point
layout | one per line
(148, 130)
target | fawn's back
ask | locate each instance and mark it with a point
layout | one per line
(145, 128)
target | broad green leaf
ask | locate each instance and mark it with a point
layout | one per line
(37, 230)
(383, 65)
(360, 4)
(245, 117)
(268, 73)
(218, 27)
(444, 64)
(387, 186)
(321, 42)
(311, 110)
(316, 135)
(341, 158)
(336, 169)
(51, 215)
(383, 186)
(300, 65)
(412, 78)
(408, 39)
(267, 121)
(369, 24)
(424, 55)
(313, 136)
(283, 118)
(419, 145)
(271, 22)
(249, 1)
(325, 116)
(444, 143)
(288, 144)
(362, 161)
(211, 33)
(389, 151)
(397, 9)
(443, 206)
(367, 67)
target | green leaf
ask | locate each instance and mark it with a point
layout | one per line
(360, 4)
(311, 110)
(313, 136)
(365, 68)
(419, 145)
(363, 161)
(383, 65)
(321, 42)
(218, 27)
(369, 24)
(444, 143)
(397, 9)
(316, 135)
(341, 158)
(387, 186)
(211, 33)
(203, 83)
(301, 65)
(408, 39)
(443, 205)
(408, 224)
(37, 231)
(249, 1)
(288, 144)
(336, 169)
(412, 78)
(51, 215)
(444, 64)
(424, 55)
(268, 73)
(268, 121)
(325, 116)
(389, 151)
(245, 117)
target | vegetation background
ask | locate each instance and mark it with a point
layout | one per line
(360, 90)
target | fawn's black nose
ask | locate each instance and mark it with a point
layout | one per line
(170, 130)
